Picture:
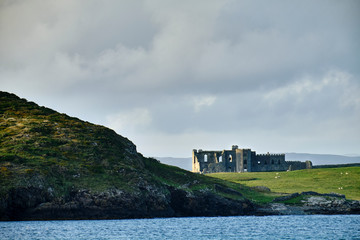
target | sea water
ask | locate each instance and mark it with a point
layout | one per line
(242, 227)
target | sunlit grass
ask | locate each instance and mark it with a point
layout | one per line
(344, 180)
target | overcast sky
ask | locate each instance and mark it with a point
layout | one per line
(172, 76)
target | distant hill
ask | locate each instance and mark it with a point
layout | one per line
(322, 159)
(316, 159)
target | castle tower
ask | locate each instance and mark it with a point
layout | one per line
(195, 162)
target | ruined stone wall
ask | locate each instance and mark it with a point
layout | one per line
(297, 165)
(230, 160)
(269, 162)
(214, 161)
(242, 160)
(208, 161)
(245, 157)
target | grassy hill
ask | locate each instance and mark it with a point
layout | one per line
(37, 141)
(53, 166)
(344, 180)
(65, 153)
(58, 166)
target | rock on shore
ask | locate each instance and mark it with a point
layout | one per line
(311, 203)
(37, 204)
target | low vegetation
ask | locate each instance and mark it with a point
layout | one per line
(42, 148)
(48, 156)
(343, 180)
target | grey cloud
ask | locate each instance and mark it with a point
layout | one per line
(228, 69)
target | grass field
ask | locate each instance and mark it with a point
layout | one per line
(345, 180)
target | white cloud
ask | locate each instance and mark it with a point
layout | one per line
(332, 82)
(203, 101)
(128, 122)
(246, 70)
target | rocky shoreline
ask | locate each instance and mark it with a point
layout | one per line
(36, 204)
(311, 203)
(150, 202)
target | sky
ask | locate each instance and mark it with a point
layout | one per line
(274, 76)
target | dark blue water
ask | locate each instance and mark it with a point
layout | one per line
(269, 227)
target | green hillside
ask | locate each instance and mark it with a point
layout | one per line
(70, 153)
(53, 166)
(52, 161)
(344, 180)
(39, 142)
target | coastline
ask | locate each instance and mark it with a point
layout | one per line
(114, 204)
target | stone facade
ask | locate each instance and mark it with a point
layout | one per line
(242, 160)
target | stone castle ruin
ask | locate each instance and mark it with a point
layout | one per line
(242, 160)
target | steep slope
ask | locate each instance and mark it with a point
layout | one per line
(53, 166)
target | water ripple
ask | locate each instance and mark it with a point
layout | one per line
(244, 227)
